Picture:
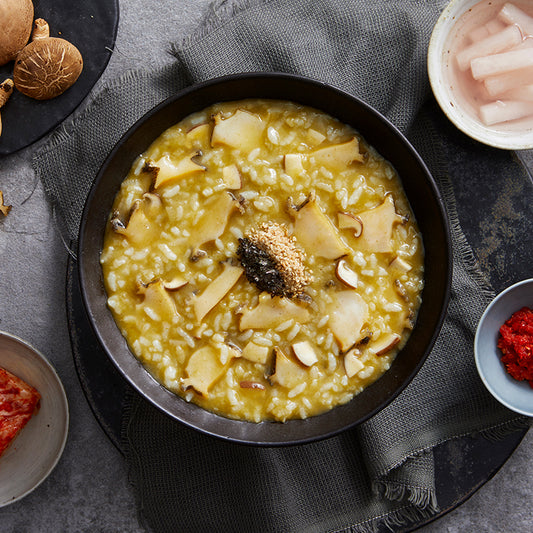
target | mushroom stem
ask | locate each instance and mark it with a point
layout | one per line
(6, 88)
(41, 30)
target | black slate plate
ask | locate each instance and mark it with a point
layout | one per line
(91, 26)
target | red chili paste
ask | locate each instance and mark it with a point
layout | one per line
(516, 345)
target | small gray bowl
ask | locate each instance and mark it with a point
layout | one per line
(516, 395)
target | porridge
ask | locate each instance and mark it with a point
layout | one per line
(262, 261)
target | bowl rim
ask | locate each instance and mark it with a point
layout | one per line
(462, 120)
(497, 300)
(64, 401)
(236, 435)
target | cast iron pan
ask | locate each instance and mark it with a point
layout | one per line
(420, 189)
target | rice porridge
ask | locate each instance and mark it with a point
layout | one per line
(262, 261)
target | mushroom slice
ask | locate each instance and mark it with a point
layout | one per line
(175, 283)
(315, 231)
(348, 313)
(293, 164)
(231, 177)
(170, 171)
(214, 220)
(287, 373)
(152, 203)
(378, 224)
(349, 221)
(204, 369)
(345, 274)
(270, 312)
(216, 290)
(338, 156)
(243, 130)
(385, 344)
(255, 353)
(199, 135)
(352, 363)
(400, 265)
(305, 353)
(158, 304)
(140, 229)
(315, 136)
(47, 66)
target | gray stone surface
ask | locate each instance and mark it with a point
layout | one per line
(89, 490)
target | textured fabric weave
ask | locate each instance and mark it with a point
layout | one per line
(382, 472)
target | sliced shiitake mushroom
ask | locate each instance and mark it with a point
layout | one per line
(352, 362)
(287, 372)
(305, 353)
(47, 66)
(385, 344)
(350, 221)
(400, 265)
(345, 274)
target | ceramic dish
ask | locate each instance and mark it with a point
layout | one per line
(516, 395)
(439, 63)
(37, 448)
(419, 187)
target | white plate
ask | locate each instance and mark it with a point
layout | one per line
(36, 450)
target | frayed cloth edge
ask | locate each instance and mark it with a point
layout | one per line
(393, 520)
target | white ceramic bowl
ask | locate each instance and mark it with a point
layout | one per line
(438, 61)
(37, 448)
(516, 395)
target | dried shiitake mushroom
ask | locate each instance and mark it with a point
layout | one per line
(4, 209)
(6, 88)
(47, 66)
(16, 18)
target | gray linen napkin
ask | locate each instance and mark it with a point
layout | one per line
(382, 472)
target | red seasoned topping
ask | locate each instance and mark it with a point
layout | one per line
(516, 345)
(18, 402)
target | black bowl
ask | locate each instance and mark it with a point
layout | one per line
(421, 191)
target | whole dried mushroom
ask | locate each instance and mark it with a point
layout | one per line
(47, 66)
(16, 18)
